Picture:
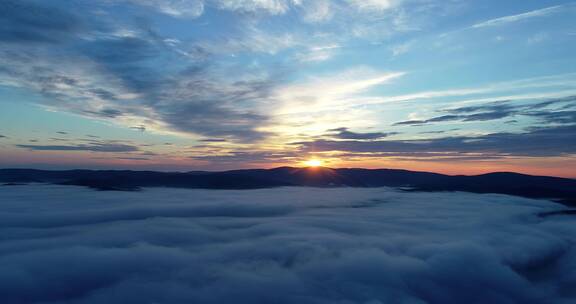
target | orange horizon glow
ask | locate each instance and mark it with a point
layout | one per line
(314, 163)
(560, 166)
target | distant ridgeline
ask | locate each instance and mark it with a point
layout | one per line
(562, 190)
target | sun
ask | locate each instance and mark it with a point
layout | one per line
(313, 163)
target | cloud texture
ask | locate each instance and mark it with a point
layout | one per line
(290, 245)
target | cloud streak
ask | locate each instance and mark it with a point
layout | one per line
(93, 147)
(495, 110)
(519, 17)
(538, 142)
(344, 133)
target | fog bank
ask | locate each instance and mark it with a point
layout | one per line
(62, 244)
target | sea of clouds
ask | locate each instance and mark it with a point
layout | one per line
(64, 244)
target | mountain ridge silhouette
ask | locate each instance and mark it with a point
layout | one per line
(562, 190)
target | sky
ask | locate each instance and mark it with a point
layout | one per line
(451, 86)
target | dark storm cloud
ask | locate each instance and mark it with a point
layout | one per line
(94, 147)
(311, 246)
(539, 142)
(345, 133)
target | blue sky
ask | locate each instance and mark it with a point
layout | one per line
(452, 86)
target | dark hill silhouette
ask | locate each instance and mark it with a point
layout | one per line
(560, 189)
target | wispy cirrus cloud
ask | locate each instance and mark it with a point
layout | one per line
(519, 17)
(176, 8)
(373, 5)
(320, 92)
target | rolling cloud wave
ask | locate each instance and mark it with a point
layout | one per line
(289, 245)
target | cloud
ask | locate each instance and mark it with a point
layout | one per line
(94, 147)
(401, 49)
(372, 5)
(133, 158)
(139, 128)
(319, 93)
(134, 78)
(213, 140)
(235, 157)
(519, 17)
(485, 116)
(538, 142)
(240, 82)
(196, 8)
(311, 246)
(344, 133)
(317, 10)
(27, 22)
(439, 131)
(274, 7)
(176, 8)
(494, 110)
(560, 117)
(317, 54)
(508, 91)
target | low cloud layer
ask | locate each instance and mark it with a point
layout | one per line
(291, 245)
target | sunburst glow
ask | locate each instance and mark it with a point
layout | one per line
(313, 163)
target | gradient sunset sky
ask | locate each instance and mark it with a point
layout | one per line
(452, 86)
